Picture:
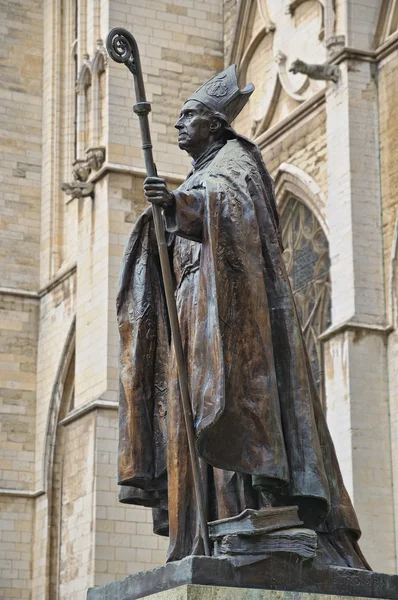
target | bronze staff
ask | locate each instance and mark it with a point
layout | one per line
(123, 48)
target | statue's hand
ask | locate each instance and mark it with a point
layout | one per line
(156, 191)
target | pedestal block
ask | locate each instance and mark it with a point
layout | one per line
(274, 578)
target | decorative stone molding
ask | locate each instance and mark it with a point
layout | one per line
(290, 180)
(334, 44)
(356, 327)
(84, 76)
(275, 31)
(84, 409)
(21, 493)
(294, 92)
(387, 23)
(100, 60)
(309, 107)
(328, 15)
(292, 5)
(322, 72)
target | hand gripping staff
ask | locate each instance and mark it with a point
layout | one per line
(123, 48)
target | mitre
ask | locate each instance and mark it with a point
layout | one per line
(222, 94)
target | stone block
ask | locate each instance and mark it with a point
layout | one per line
(204, 578)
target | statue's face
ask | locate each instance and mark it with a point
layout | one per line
(194, 127)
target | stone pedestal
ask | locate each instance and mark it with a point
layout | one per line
(274, 578)
(214, 592)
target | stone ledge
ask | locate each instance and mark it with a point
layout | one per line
(211, 592)
(282, 574)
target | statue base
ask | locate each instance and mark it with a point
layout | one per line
(173, 581)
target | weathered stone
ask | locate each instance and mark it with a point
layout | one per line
(270, 574)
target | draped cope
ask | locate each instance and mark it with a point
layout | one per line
(257, 415)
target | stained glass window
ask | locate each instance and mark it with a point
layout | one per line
(307, 261)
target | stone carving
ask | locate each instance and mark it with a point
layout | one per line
(260, 434)
(275, 37)
(95, 158)
(335, 44)
(81, 170)
(80, 186)
(297, 91)
(313, 71)
(100, 59)
(78, 189)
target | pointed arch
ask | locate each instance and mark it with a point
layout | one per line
(100, 59)
(57, 395)
(59, 403)
(252, 49)
(244, 16)
(306, 256)
(291, 180)
(83, 91)
(388, 22)
(84, 77)
(392, 296)
(99, 64)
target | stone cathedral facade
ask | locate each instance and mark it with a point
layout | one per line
(71, 189)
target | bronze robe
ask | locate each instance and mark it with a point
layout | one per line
(259, 424)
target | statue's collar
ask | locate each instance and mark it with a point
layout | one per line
(207, 155)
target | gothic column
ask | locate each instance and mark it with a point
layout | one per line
(355, 344)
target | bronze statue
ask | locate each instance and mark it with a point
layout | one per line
(260, 430)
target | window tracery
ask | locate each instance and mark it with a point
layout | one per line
(307, 262)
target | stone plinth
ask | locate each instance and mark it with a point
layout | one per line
(213, 592)
(203, 578)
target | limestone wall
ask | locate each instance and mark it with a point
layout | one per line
(20, 165)
(16, 547)
(181, 46)
(93, 232)
(59, 449)
(388, 118)
(20, 176)
(388, 115)
(124, 541)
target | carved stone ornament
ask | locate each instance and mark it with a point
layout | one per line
(80, 186)
(95, 157)
(323, 72)
(81, 170)
(334, 44)
(251, 46)
(78, 189)
(100, 59)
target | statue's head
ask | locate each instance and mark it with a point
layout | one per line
(207, 115)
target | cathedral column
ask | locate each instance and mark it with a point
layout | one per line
(355, 344)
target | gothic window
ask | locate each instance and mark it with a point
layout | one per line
(307, 262)
(392, 19)
(388, 21)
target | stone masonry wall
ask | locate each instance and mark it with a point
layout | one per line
(303, 146)
(20, 177)
(124, 541)
(20, 148)
(388, 115)
(18, 339)
(181, 45)
(15, 547)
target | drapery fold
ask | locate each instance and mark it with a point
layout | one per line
(255, 404)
